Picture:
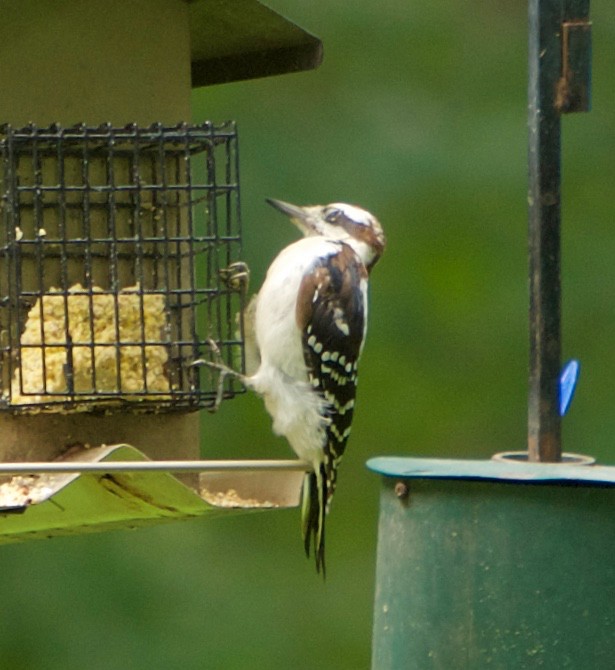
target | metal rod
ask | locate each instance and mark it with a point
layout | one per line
(544, 434)
(151, 466)
(554, 88)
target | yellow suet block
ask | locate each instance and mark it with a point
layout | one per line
(113, 345)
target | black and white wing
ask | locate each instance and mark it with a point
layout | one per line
(332, 313)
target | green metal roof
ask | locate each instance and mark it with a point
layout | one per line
(233, 40)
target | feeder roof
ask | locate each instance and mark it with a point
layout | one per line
(233, 40)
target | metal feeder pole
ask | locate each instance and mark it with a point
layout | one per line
(559, 82)
(508, 564)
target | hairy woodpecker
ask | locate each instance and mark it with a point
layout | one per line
(305, 332)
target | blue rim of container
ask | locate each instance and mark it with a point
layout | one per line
(508, 466)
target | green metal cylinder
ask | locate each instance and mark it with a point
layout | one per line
(498, 565)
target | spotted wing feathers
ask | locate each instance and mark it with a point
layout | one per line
(331, 313)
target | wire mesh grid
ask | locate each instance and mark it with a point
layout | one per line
(113, 253)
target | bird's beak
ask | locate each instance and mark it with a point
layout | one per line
(298, 215)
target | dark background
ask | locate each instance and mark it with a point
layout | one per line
(419, 115)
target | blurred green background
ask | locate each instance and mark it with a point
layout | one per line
(419, 115)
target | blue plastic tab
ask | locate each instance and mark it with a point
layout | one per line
(567, 384)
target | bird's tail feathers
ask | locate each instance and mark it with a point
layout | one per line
(313, 511)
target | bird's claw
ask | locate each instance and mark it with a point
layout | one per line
(236, 276)
(224, 370)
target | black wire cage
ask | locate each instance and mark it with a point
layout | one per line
(113, 266)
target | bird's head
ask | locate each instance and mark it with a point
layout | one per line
(339, 221)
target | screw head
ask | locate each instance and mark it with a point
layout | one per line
(401, 490)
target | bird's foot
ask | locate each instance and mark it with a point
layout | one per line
(236, 276)
(225, 371)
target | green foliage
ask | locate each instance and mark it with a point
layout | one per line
(419, 115)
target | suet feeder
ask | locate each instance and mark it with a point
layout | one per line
(507, 563)
(120, 225)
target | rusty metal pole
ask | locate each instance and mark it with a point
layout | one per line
(559, 75)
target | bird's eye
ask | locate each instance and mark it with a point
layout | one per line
(332, 215)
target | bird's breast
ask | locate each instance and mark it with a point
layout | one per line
(277, 333)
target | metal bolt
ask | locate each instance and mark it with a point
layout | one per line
(401, 490)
